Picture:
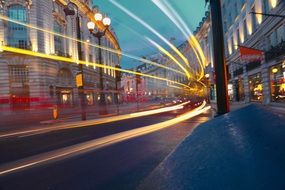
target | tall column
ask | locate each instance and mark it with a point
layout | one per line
(219, 57)
(246, 85)
(266, 83)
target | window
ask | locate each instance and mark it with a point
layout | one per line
(17, 34)
(280, 34)
(64, 76)
(255, 87)
(265, 6)
(238, 37)
(277, 83)
(253, 20)
(58, 41)
(273, 40)
(18, 74)
(245, 32)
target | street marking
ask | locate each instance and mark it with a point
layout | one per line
(96, 143)
(93, 122)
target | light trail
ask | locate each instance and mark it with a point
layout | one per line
(70, 60)
(97, 143)
(167, 9)
(93, 122)
(170, 56)
(89, 44)
(150, 28)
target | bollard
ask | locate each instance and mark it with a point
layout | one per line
(55, 112)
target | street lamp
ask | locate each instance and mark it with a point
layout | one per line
(71, 12)
(99, 34)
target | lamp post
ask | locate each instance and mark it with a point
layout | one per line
(117, 79)
(138, 81)
(207, 77)
(99, 34)
(71, 12)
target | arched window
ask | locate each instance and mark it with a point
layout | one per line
(58, 41)
(64, 76)
(17, 34)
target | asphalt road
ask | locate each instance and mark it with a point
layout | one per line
(119, 166)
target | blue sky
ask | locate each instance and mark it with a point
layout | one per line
(131, 34)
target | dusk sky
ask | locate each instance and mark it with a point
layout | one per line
(131, 33)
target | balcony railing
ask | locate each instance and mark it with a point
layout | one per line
(22, 44)
(275, 51)
(60, 53)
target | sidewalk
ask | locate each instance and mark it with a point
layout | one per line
(30, 120)
(244, 149)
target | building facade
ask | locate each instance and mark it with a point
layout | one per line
(203, 34)
(151, 88)
(255, 81)
(28, 80)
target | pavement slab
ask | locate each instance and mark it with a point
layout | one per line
(244, 149)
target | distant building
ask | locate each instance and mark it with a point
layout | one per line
(255, 81)
(151, 88)
(29, 81)
(203, 34)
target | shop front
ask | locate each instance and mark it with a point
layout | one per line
(277, 83)
(64, 96)
(255, 87)
(89, 95)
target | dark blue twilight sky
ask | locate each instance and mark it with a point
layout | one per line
(131, 34)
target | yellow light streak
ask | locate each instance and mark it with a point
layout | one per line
(170, 56)
(151, 29)
(94, 122)
(89, 44)
(69, 60)
(97, 143)
(167, 9)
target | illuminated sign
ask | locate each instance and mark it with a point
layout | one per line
(79, 80)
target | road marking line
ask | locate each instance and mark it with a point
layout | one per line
(96, 121)
(96, 143)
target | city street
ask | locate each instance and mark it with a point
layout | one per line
(119, 166)
(142, 95)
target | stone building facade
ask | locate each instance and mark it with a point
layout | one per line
(255, 81)
(151, 88)
(28, 81)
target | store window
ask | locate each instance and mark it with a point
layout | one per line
(277, 83)
(64, 96)
(255, 87)
(230, 91)
(89, 98)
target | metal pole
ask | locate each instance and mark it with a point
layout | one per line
(269, 15)
(219, 58)
(81, 88)
(137, 92)
(102, 95)
(117, 95)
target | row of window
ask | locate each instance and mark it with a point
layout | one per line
(18, 35)
(250, 25)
